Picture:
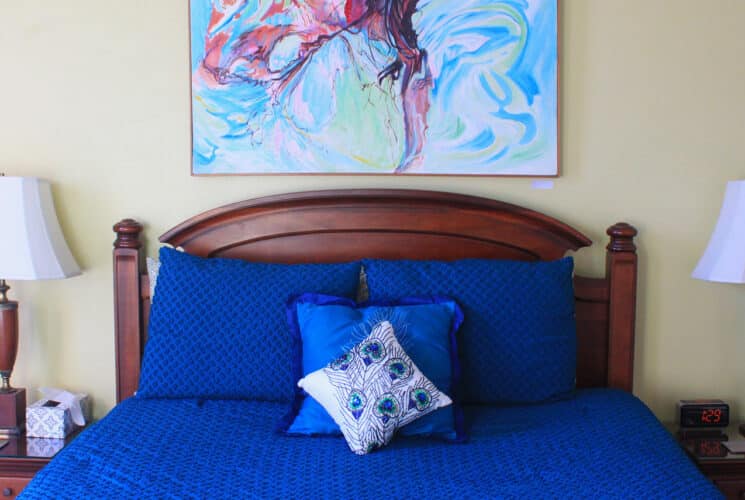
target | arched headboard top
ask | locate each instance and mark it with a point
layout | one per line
(336, 225)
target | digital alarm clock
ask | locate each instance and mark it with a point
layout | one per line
(703, 413)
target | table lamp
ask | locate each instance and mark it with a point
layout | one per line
(32, 247)
(724, 258)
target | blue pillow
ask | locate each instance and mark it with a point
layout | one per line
(326, 327)
(218, 330)
(518, 341)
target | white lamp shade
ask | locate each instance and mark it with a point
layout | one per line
(32, 246)
(724, 258)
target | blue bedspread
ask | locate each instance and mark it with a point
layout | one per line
(601, 444)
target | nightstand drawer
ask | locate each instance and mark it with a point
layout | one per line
(12, 486)
(732, 489)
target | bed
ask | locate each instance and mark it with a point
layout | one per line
(599, 441)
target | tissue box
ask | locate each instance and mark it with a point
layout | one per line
(48, 419)
(43, 447)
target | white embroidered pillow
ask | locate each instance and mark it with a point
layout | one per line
(373, 389)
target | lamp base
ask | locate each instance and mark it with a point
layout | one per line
(12, 411)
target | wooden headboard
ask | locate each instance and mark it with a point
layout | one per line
(343, 225)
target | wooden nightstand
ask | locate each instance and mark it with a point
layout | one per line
(23, 457)
(705, 447)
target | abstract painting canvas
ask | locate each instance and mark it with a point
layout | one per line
(465, 87)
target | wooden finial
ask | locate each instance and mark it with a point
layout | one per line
(622, 237)
(127, 234)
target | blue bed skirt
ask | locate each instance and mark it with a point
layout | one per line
(600, 444)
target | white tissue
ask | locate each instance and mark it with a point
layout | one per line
(67, 400)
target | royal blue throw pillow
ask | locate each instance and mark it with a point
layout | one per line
(218, 327)
(518, 340)
(325, 327)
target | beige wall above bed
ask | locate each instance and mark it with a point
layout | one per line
(95, 98)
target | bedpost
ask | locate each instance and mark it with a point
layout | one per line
(620, 271)
(127, 308)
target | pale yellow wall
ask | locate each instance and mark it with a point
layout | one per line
(95, 97)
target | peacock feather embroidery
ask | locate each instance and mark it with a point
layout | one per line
(377, 388)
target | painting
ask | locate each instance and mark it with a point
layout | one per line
(465, 87)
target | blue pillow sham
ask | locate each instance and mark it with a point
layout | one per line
(218, 330)
(325, 327)
(518, 340)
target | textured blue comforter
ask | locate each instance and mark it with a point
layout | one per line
(603, 443)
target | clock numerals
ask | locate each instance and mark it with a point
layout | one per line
(712, 416)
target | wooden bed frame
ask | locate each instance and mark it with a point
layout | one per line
(344, 225)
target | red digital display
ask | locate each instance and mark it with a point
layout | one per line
(711, 416)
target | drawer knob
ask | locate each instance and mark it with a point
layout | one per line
(7, 492)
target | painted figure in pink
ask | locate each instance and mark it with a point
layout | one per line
(273, 53)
